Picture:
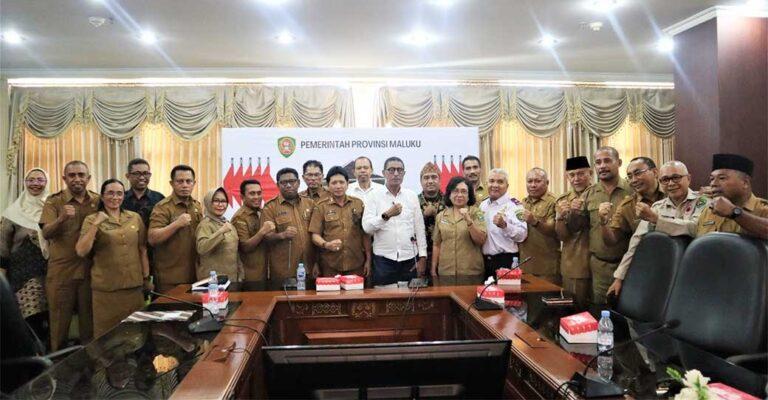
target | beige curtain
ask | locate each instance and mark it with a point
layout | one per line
(164, 150)
(106, 158)
(633, 139)
(517, 151)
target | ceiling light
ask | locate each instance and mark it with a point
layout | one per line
(12, 37)
(547, 41)
(419, 37)
(273, 3)
(665, 45)
(285, 37)
(148, 37)
(601, 5)
(595, 26)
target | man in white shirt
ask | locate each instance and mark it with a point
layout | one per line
(505, 229)
(394, 219)
(363, 186)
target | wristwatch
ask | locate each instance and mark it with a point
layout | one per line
(385, 217)
(737, 211)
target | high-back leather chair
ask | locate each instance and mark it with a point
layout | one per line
(648, 283)
(720, 295)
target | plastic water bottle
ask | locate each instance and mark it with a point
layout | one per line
(213, 293)
(605, 342)
(514, 263)
(301, 277)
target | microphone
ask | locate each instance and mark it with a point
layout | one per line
(485, 305)
(590, 387)
(206, 323)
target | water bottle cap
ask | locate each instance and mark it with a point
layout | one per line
(605, 313)
(213, 273)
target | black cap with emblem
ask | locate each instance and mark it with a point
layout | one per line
(732, 161)
(576, 163)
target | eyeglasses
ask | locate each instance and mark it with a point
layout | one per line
(288, 182)
(636, 174)
(394, 170)
(31, 181)
(671, 178)
(219, 201)
(111, 193)
(138, 174)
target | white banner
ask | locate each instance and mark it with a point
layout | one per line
(258, 153)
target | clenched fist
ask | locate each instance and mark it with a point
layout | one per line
(499, 220)
(605, 211)
(644, 212)
(267, 227)
(183, 220)
(395, 210)
(69, 212)
(290, 232)
(577, 204)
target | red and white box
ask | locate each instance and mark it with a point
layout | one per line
(352, 282)
(223, 300)
(579, 328)
(328, 284)
(493, 293)
(509, 277)
(725, 392)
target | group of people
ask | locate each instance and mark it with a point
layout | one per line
(77, 251)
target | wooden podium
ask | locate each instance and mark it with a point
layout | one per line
(233, 366)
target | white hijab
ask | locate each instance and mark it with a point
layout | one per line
(26, 210)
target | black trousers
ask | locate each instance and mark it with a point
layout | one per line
(496, 261)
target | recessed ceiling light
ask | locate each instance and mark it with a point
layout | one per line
(12, 37)
(547, 41)
(273, 3)
(602, 5)
(148, 37)
(285, 37)
(595, 26)
(419, 37)
(665, 45)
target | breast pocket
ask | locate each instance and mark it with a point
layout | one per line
(332, 220)
(283, 222)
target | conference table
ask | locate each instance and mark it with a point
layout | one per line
(164, 360)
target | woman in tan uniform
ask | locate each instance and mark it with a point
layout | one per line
(116, 240)
(459, 234)
(217, 239)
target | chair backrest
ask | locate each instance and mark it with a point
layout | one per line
(648, 283)
(720, 295)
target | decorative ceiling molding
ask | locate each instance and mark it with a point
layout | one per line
(713, 12)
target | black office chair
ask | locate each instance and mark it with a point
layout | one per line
(646, 288)
(720, 296)
(22, 354)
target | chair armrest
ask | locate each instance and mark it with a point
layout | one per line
(753, 362)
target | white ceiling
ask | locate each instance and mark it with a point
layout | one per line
(236, 38)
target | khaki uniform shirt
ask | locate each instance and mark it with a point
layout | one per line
(673, 220)
(709, 222)
(625, 219)
(481, 193)
(574, 258)
(315, 195)
(459, 255)
(176, 258)
(116, 252)
(544, 249)
(217, 252)
(593, 196)
(284, 213)
(247, 222)
(332, 222)
(63, 262)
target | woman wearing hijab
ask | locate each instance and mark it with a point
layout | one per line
(116, 239)
(23, 251)
(217, 239)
